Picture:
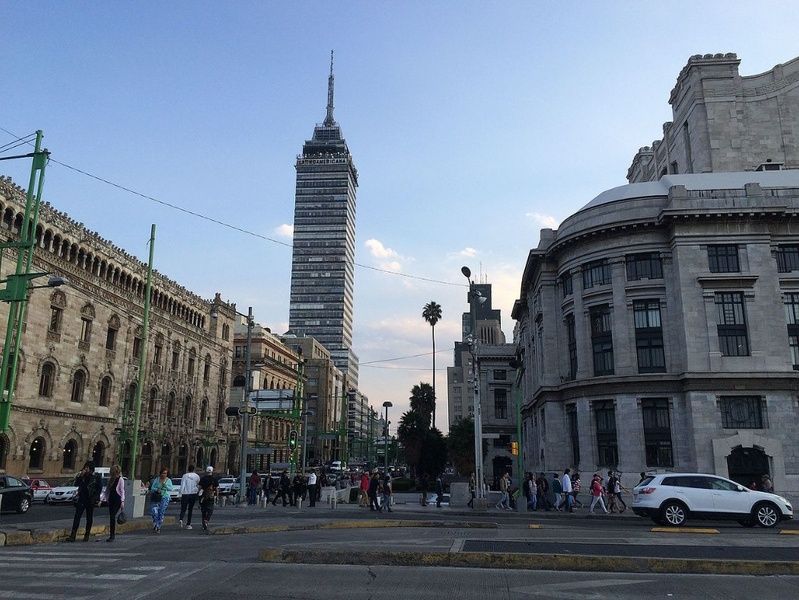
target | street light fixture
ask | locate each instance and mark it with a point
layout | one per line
(475, 298)
(386, 405)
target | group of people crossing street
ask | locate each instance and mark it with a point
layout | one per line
(562, 492)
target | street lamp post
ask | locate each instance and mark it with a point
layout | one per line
(245, 416)
(475, 297)
(386, 405)
(305, 415)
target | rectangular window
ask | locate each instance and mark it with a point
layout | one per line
(238, 352)
(649, 336)
(792, 317)
(501, 404)
(136, 347)
(56, 315)
(731, 324)
(566, 284)
(596, 273)
(111, 339)
(85, 330)
(743, 412)
(191, 367)
(787, 258)
(157, 354)
(602, 340)
(646, 265)
(175, 359)
(500, 374)
(605, 420)
(571, 415)
(657, 433)
(723, 258)
(571, 337)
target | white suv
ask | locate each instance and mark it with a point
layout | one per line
(673, 498)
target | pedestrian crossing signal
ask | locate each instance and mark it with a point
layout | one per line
(514, 448)
(293, 439)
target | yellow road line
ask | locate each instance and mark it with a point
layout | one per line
(789, 531)
(683, 530)
(535, 526)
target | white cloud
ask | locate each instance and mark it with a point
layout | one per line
(378, 250)
(393, 265)
(285, 230)
(468, 252)
(544, 220)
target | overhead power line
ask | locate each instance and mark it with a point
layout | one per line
(223, 223)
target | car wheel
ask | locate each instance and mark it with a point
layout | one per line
(46, 501)
(766, 514)
(24, 505)
(674, 514)
(747, 522)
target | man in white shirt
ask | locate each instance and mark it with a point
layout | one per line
(312, 487)
(566, 484)
(189, 487)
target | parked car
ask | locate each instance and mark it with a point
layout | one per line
(15, 494)
(39, 487)
(228, 486)
(674, 498)
(175, 494)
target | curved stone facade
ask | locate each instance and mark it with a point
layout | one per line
(656, 327)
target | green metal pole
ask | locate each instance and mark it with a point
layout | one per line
(25, 250)
(520, 455)
(134, 447)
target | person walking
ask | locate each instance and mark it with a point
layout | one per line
(766, 485)
(610, 488)
(576, 487)
(439, 491)
(472, 488)
(386, 489)
(543, 492)
(504, 484)
(114, 496)
(596, 495)
(424, 486)
(252, 487)
(298, 489)
(568, 490)
(312, 487)
(374, 484)
(556, 488)
(618, 488)
(159, 498)
(282, 488)
(189, 488)
(208, 487)
(363, 490)
(89, 486)
(531, 490)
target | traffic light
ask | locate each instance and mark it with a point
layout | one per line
(232, 411)
(293, 439)
(514, 448)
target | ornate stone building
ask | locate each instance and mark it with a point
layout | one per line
(79, 358)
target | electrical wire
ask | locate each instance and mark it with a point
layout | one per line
(371, 362)
(16, 143)
(229, 225)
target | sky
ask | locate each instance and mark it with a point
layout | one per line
(472, 126)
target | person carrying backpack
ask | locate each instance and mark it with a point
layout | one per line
(208, 487)
(90, 486)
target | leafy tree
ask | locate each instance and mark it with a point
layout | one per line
(434, 453)
(411, 433)
(432, 314)
(423, 401)
(460, 443)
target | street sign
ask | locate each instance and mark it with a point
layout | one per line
(273, 399)
(250, 410)
(260, 451)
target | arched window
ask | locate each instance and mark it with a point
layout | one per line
(36, 453)
(105, 391)
(47, 380)
(98, 454)
(4, 448)
(192, 361)
(130, 397)
(78, 385)
(187, 408)
(153, 397)
(220, 413)
(203, 412)
(70, 454)
(207, 369)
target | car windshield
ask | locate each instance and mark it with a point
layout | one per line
(176, 480)
(644, 481)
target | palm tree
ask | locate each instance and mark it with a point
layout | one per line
(432, 314)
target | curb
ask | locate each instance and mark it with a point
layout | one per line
(537, 562)
(28, 537)
(231, 530)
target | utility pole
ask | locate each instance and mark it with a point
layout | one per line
(245, 414)
(134, 447)
(17, 285)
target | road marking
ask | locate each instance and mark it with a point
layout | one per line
(143, 568)
(18, 595)
(457, 545)
(10, 550)
(789, 531)
(568, 589)
(73, 575)
(683, 530)
(534, 526)
(54, 559)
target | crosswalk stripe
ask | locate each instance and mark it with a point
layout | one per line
(72, 575)
(70, 559)
(18, 595)
(64, 553)
(143, 568)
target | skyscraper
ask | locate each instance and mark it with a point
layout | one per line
(322, 265)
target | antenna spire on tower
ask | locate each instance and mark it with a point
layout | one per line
(329, 117)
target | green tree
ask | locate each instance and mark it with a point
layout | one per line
(460, 443)
(423, 401)
(432, 314)
(434, 453)
(411, 433)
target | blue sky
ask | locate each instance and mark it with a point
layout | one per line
(472, 124)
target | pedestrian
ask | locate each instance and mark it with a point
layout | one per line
(374, 484)
(472, 488)
(596, 495)
(439, 491)
(114, 496)
(532, 492)
(423, 485)
(159, 498)
(282, 488)
(208, 487)
(610, 488)
(312, 487)
(363, 490)
(568, 490)
(766, 485)
(189, 488)
(640, 481)
(557, 491)
(543, 492)
(386, 500)
(576, 486)
(252, 487)
(504, 485)
(89, 486)
(618, 488)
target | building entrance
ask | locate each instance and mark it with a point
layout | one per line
(747, 465)
(502, 465)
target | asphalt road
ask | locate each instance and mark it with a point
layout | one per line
(189, 565)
